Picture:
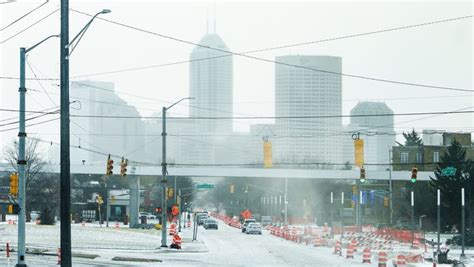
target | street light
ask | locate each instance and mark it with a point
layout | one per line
(164, 171)
(21, 154)
(65, 173)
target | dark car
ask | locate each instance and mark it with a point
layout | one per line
(201, 218)
(210, 224)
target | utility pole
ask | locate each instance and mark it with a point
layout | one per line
(286, 201)
(412, 217)
(164, 172)
(342, 215)
(179, 207)
(163, 181)
(439, 217)
(65, 140)
(463, 224)
(21, 165)
(390, 186)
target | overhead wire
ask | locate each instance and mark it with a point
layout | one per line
(27, 28)
(23, 16)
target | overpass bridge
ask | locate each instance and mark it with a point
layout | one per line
(238, 172)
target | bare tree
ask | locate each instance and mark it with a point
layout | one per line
(42, 188)
(35, 164)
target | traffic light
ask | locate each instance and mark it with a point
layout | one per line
(110, 166)
(232, 189)
(14, 184)
(362, 175)
(169, 192)
(385, 201)
(158, 210)
(123, 167)
(414, 173)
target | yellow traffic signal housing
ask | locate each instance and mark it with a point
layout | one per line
(14, 184)
(359, 152)
(123, 167)
(385, 201)
(267, 154)
(231, 189)
(110, 166)
(170, 192)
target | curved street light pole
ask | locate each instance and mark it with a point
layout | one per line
(164, 172)
(65, 173)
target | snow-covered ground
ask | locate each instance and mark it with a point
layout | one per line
(226, 246)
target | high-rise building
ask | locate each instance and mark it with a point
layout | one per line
(121, 137)
(376, 131)
(305, 92)
(210, 83)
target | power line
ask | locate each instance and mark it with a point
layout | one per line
(29, 125)
(24, 16)
(275, 117)
(29, 27)
(226, 52)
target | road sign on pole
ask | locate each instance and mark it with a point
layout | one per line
(204, 186)
(448, 171)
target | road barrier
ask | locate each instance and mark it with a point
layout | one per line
(366, 255)
(177, 241)
(382, 259)
(350, 252)
(337, 248)
(400, 261)
(172, 229)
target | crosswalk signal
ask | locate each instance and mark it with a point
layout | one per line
(232, 189)
(110, 166)
(123, 167)
(158, 210)
(414, 174)
(14, 184)
(362, 175)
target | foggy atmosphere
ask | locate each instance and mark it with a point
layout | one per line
(236, 133)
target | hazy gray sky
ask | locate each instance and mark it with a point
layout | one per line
(439, 54)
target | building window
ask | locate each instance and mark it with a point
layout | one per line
(404, 157)
(419, 157)
(436, 156)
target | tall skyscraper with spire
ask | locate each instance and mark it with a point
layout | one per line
(211, 84)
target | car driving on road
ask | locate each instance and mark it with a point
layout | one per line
(254, 228)
(210, 224)
(246, 222)
(148, 215)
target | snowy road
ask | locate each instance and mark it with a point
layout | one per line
(224, 247)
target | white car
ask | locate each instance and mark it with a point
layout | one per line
(254, 228)
(148, 215)
(35, 215)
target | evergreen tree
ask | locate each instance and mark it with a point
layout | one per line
(412, 139)
(450, 186)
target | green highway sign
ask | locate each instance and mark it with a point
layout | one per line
(204, 186)
(448, 171)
